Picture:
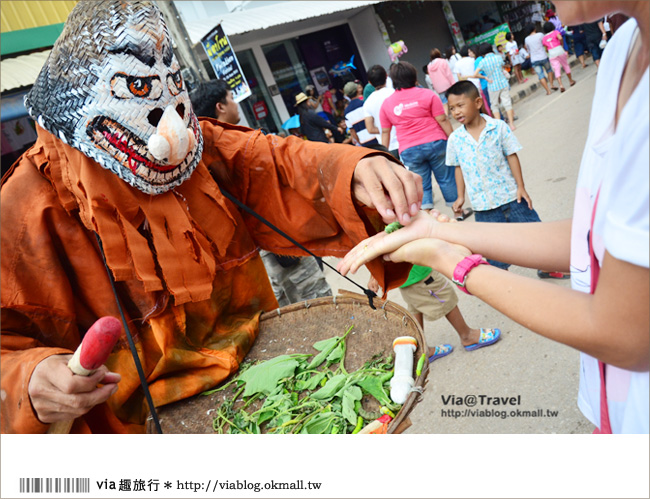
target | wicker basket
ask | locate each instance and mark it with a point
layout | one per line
(294, 329)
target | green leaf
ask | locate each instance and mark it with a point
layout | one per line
(314, 381)
(337, 354)
(332, 386)
(264, 377)
(374, 386)
(320, 423)
(325, 347)
(350, 396)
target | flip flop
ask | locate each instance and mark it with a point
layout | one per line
(573, 83)
(487, 337)
(465, 214)
(441, 351)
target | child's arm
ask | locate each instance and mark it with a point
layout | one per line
(460, 186)
(515, 168)
(580, 320)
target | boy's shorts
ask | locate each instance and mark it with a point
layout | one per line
(434, 297)
(502, 95)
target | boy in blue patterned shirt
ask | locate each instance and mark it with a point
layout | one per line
(484, 152)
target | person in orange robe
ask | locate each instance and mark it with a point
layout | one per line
(121, 155)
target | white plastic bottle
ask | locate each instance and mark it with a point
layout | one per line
(402, 381)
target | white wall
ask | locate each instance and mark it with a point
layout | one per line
(369, 39)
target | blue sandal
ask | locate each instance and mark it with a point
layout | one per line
(487, 337)
(441, 351)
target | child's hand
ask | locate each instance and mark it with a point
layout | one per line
(417, 239)
(457, 207)
(373, 284)
(521, 193)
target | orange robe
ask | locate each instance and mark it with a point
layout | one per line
(191, 331)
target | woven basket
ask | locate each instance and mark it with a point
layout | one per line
(294, 329)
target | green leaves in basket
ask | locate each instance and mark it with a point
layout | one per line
(264, 377)
(326, 347)
(302, 396)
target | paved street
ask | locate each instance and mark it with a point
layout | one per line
(544, 374)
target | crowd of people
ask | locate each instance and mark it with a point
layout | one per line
(184, 262)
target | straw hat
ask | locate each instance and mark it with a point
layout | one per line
(301, 97)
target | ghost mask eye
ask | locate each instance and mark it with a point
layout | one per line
(175, 82)
(125, 86)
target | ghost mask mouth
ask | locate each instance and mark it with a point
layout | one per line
(133, 153)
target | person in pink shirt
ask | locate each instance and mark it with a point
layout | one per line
(422, 128)
(552, 40)
(441, 76)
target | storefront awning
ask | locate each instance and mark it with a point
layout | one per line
(252, 19)
(21, 71)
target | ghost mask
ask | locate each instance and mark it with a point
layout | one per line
(112, 88)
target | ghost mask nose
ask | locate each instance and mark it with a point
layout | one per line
(172, 140)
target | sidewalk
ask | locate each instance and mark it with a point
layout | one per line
(521, 91)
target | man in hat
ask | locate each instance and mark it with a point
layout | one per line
(355, 118)
(312, 125)
(124, 171)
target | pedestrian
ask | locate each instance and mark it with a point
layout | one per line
(355, 118)
(483, 48)
(372, 106)
(539, 58)
(579, 42)
(118, 209)
(552, 17)
(498, 86)
(441, 75)
(429, 294)
(559, 60)
(422, 129)
(452, 57)
(312, 125)
(484, 152)
(596, 38)
(516, 59)
(606, 243)
(214, 100)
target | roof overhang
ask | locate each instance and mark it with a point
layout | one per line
(268, 16)
(21, 71)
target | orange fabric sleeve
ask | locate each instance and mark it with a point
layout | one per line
(303, 188)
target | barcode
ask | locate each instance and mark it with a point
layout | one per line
(54, 485)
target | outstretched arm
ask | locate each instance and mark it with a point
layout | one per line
(585, 322)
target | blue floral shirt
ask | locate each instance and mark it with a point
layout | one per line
(489, 182)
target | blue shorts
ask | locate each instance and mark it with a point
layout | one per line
(443, 97)
(541, 68)
(596, 51)
(512, 212)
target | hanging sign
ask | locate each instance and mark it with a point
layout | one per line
(225, 63)
(496, 36)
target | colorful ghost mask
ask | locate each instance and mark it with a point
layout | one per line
(112, 88)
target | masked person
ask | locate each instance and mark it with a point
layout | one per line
(120, 154)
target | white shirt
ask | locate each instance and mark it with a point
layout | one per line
(616, 162)
(453, 60)
(465, 67)
(535, 47)
(372, 106)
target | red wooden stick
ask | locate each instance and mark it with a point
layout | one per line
(96, 346)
